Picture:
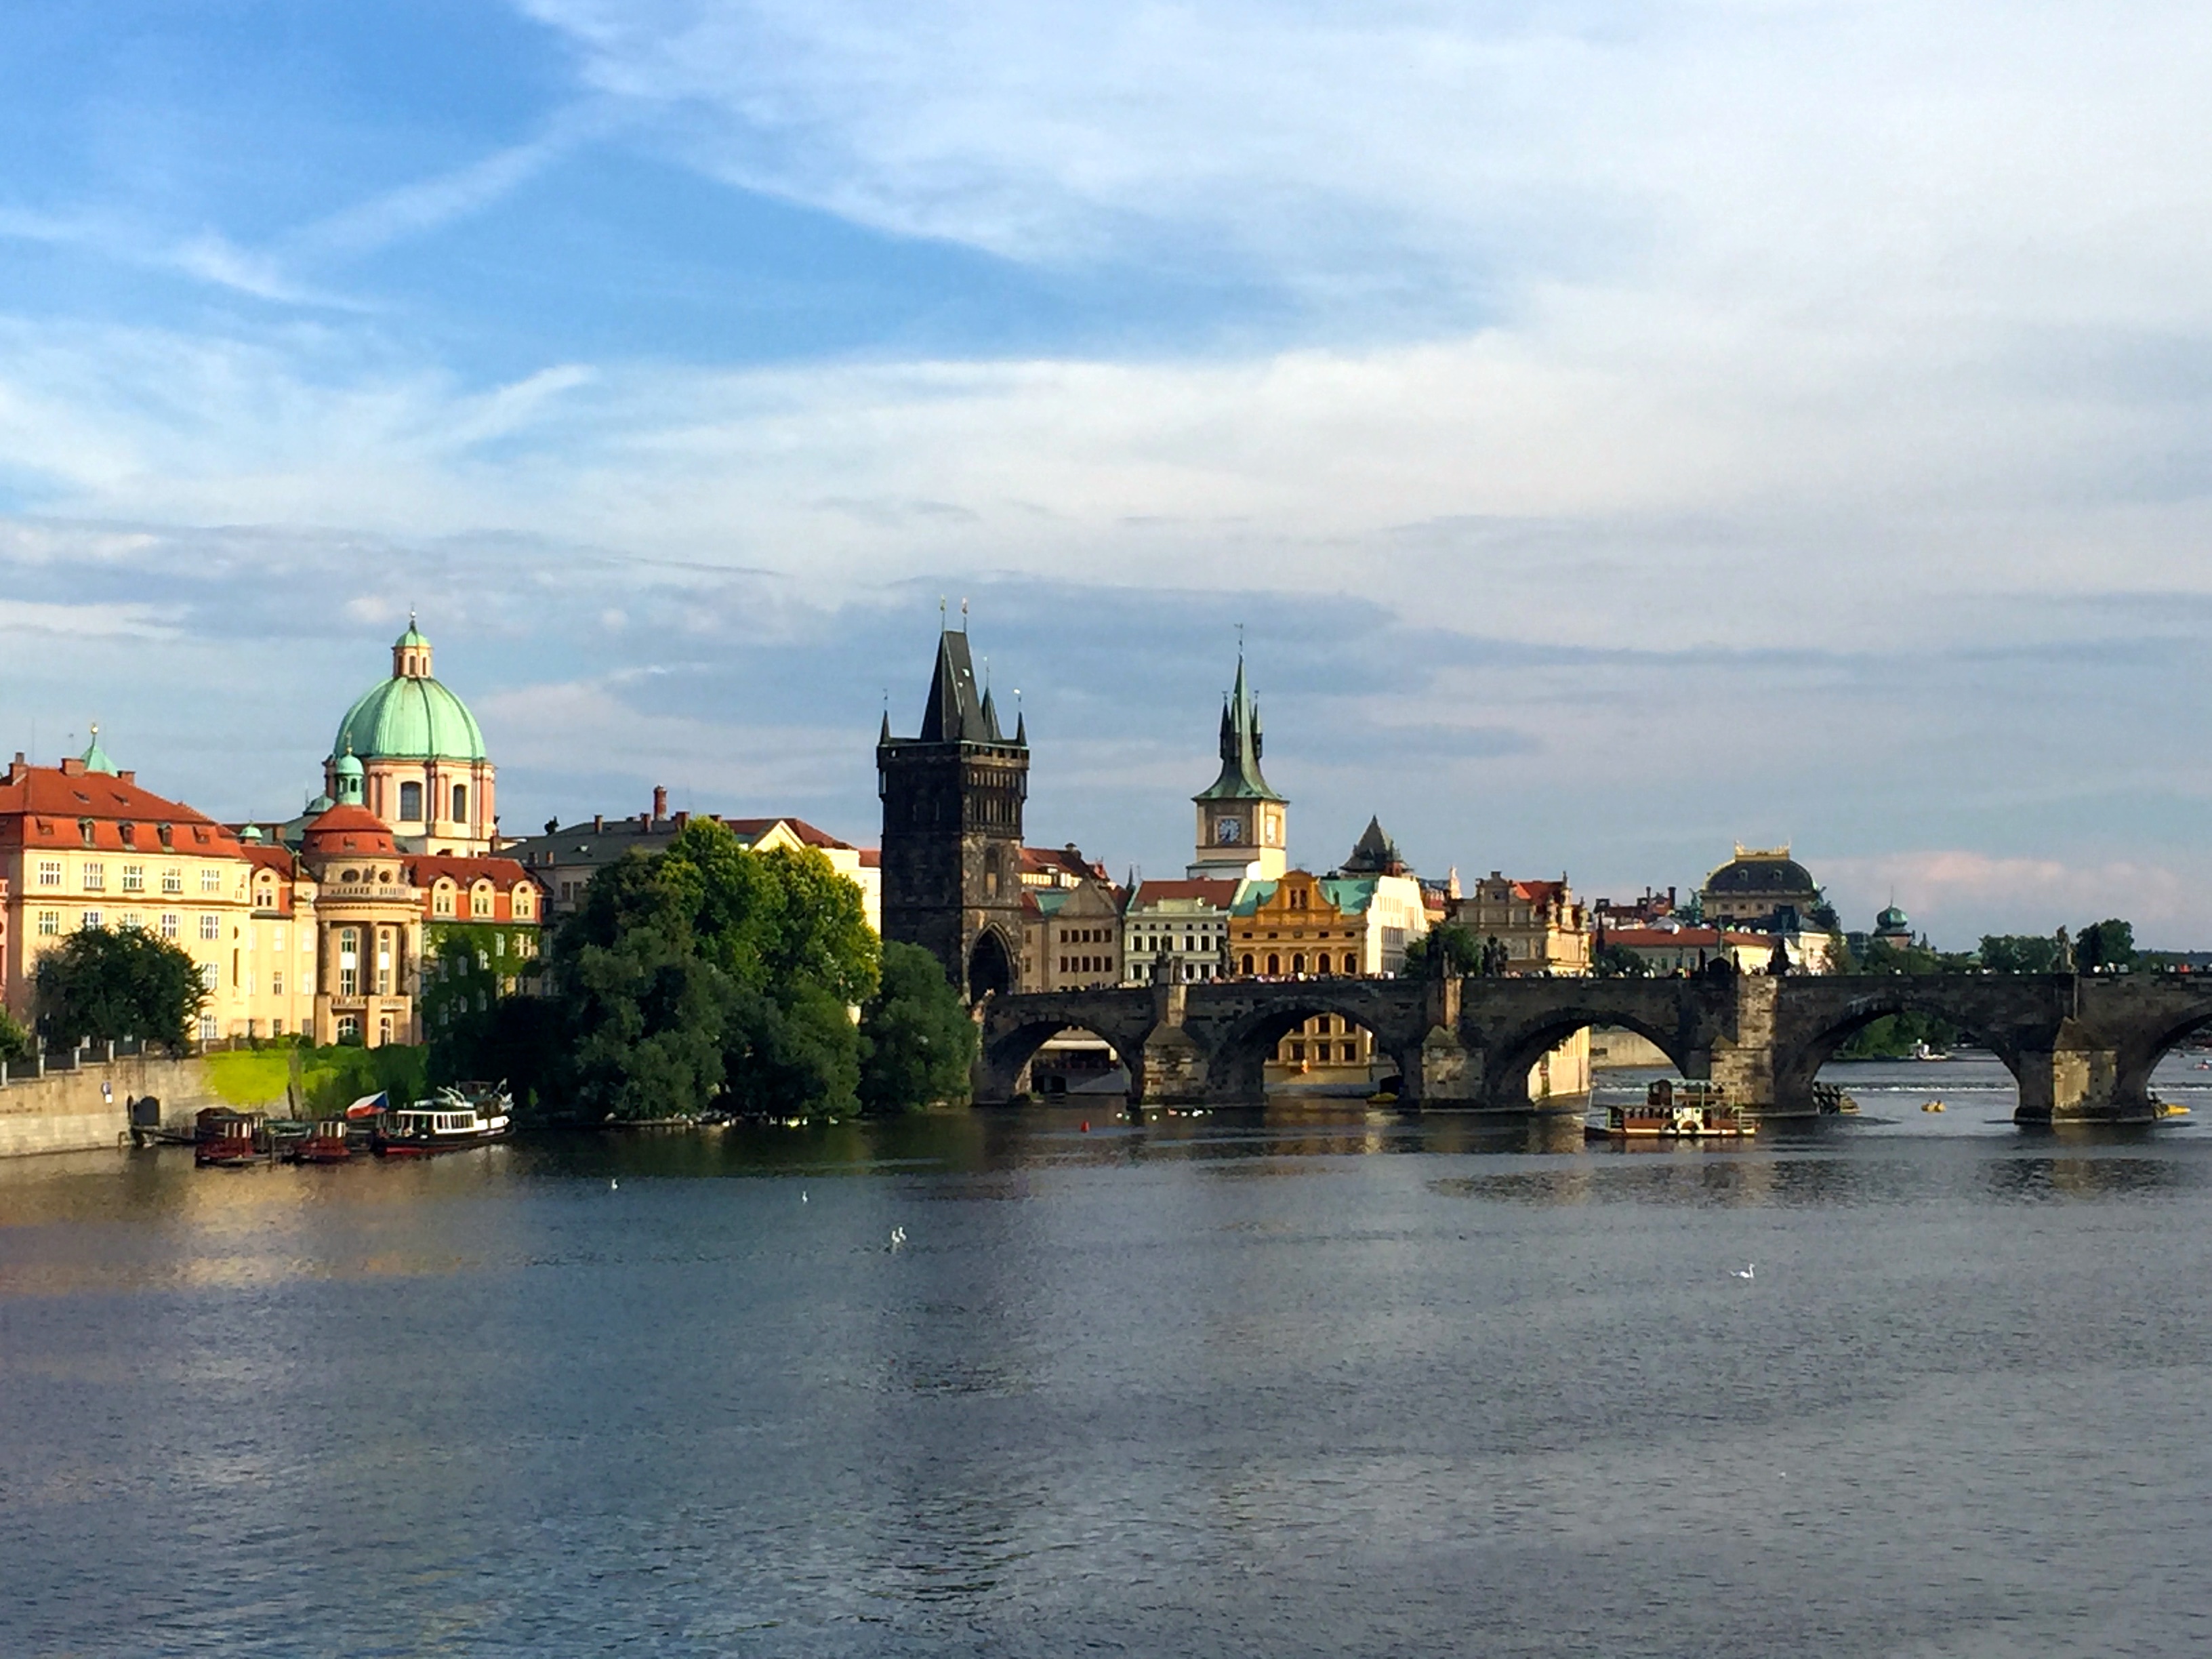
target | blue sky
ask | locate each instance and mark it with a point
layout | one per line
(1619, 429)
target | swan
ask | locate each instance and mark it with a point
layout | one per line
(1745, 1270)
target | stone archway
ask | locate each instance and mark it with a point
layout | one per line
(1237, 1068)
(1797, 1064)
(1512, 1054)
(990, 967)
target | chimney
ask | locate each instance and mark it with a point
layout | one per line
(659, 802)
(127, 777)
(600, 823)
(682, 819)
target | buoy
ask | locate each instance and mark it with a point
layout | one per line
(1086, 1126)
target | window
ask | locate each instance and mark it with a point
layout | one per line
(209, 1029)
(210, 927)
(91, 919)
(411, 803)
(348, 1025)
(442, 901)
(50, 922)
(1298, 1051)
(460, 803)
(210, 976)
(276, 937)
(85, 829)
(1351, 1051)
(349, 962)
(277, 984)
(50, 872)
(132, 922)
(210, 879)
(1298, 963)
(525, 902)
(95, 877)
(276, 1028)
(173, 881)
(134, 877)
(1248, 962)
(1351, 962)
(168, 924)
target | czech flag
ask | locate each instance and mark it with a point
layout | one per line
(367, 1106)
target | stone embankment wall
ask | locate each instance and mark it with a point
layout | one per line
(69, 1111)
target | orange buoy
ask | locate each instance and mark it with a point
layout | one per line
(1086, 1126)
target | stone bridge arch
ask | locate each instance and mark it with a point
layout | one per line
(1239, 1046)
(2019, 1019)
(1012, 1029)
(1512, 1022)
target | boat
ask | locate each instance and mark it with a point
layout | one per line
(453, 1120)
(1921, 1051)
(326, 1143)
(2170, 1109)
(224, 1140)
(1932, 1106)
(1684, 1111)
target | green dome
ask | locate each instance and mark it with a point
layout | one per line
(410, 718)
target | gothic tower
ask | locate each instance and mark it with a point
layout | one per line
(952, 829)
(1242, 827)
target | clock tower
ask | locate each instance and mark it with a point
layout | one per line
(1243, 825)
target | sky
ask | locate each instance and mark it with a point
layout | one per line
(1618, 431)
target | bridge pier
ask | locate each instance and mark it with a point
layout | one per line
(1173, 1072)
(1743, 1063)
(2078, 1084)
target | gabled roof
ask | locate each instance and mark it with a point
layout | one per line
(1221, 894)
(752, 829)
(1375, 854)
(1063, 861)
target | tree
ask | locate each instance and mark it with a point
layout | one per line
(15, 1041)
(1448, 951)
(917, 1042)
(2105, 944)
(1619, 961)
(106, 985)
(2019, 953)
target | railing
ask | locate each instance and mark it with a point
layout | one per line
(45, 1062)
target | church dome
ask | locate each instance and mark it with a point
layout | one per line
(1893, 921)
(410, 716)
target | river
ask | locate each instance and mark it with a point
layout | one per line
(1319, 1380)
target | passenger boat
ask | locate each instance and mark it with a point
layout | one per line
(326, 1143)
(450, 1121)
(1689, 1111)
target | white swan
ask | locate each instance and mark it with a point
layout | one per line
(1745, 1270)
(898, 1238)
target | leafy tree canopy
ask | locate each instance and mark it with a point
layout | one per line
(106, 985)
(2107, 944)
(15, 1041)
(1449, 951)
(1619, 961)
(917, 1042)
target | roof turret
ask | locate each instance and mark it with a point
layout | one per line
(955, 713)
(411, 715)
(95, 757)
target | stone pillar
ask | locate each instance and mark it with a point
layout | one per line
(2075, 1082)
(1172, 1070)
(1743, 1062)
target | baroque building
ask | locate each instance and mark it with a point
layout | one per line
(1243, 825)
(952, 860)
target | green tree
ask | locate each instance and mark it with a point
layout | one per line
(105, 985)
(1450, 950)
(2019, 953)
(643, 1013)
(1619, 961)
(15, 1041)
(917, 1042)
(794, 1053)
(2107, 944)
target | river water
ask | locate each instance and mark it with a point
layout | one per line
(1316, 1381)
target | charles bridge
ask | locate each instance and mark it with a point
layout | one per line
(2081, 1049)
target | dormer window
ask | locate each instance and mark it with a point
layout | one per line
(129, 832)
(165, 833)
(88, 828)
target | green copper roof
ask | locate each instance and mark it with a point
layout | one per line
(95, 758)
(1241, 746)
(413, 635)
(410, 719)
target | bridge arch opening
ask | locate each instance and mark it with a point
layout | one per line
(2140, 1061)
(1054, 1059)
(1557, 1061)
(1314, 1048)
(990, 966)
(1879, 1056)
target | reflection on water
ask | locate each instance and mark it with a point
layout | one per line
(1315, 1378)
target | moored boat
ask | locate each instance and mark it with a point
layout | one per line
(1683, 1111)
(224, 1140)
(450, 1121)
(326, 1143)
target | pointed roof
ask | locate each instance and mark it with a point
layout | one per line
(1375, 853)
(1241, 746)
(95, 757)
(955, 713)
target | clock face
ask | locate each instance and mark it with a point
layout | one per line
(1228, 832)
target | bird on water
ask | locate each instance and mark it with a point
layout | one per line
(1745, 1271)
(898, 1238)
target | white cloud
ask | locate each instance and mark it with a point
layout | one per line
(1961, 894)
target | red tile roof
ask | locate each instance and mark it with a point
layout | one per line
(1662, 938)
(347, 829)
(1215, 891)
(752, 829)
(47, 806)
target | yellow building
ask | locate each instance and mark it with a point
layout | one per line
(83, 844)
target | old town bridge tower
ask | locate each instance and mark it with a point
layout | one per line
(953, 828)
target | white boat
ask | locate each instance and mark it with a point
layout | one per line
(452, 1121)
(1921, 1051)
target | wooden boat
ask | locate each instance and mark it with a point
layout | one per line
(450, 1121)
(326, 1143)
(1684, 1111)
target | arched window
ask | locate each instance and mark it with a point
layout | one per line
(411, 803)
(1275, 965)
(525, 903)
(1321, 964)
(1351, 964)
(480, 899)
(1248, 962)
(1298, 963)
(460, 803)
